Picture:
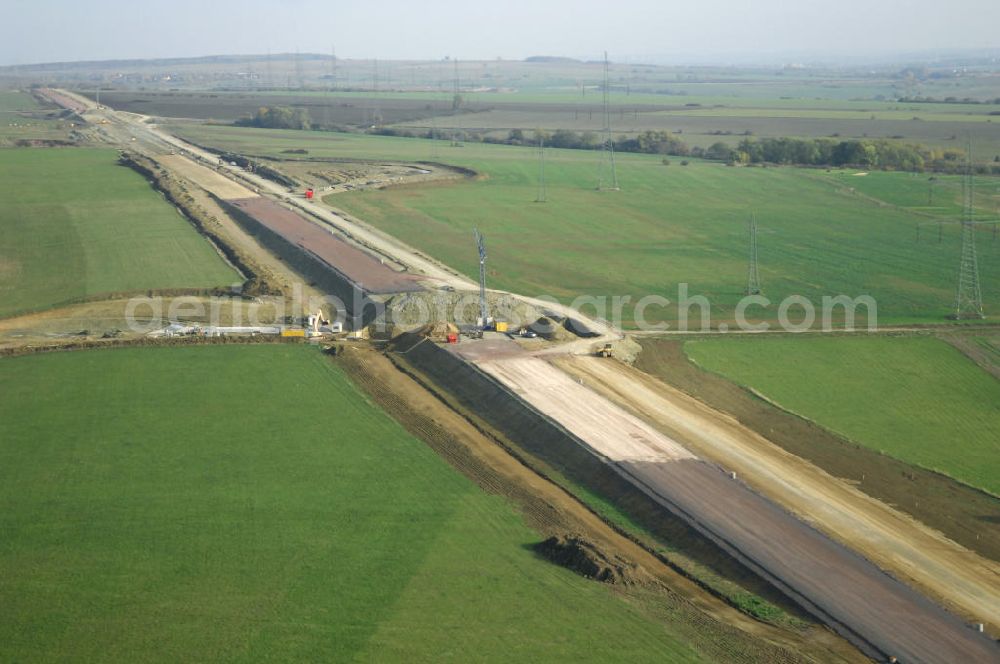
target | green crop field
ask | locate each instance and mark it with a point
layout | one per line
(14, 100)
(21, 118)
(669, 224)
(247, 503)
(937, 196)
(916, 398)
(74, 224)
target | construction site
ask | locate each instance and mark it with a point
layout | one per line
(558, 388)
(702, 502)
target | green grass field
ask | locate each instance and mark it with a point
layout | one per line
(22, 118)
(669, 224)
(12, 101)
(937, 196)
(915, 398)
(74, 224)
(247, 503)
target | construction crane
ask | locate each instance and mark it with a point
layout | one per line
(483, 311)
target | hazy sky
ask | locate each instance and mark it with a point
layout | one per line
(60, 30)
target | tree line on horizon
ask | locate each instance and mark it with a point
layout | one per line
(882, 154)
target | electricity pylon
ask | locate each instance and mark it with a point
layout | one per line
(540, 197)
(333, 68)
(968, 295)
(607, 174)
(753, 275)
(376, 102)
(969, 299)
(483, 310)
(299, 79)
(456, 105)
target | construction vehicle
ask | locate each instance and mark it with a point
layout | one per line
(604, 351)
(315, 321)
(318, 325)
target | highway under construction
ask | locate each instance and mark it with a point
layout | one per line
(886, 583)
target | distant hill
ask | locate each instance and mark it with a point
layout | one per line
(169, 62)
(550, 59)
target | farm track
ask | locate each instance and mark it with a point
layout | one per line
(977, 352)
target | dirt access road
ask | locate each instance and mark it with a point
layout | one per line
(209, 180)
(880, 614)
(963, 580)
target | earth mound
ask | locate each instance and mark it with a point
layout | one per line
(587, 559)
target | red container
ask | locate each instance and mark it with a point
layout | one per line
(453, 338)
(309, 193)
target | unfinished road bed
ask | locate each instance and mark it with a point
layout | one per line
(362, 269)
(215, 183)
(882, 615)
(963, 580)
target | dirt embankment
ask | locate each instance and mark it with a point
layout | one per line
(61, 99)
(965, 515)
(551, 452)
(483, 454)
